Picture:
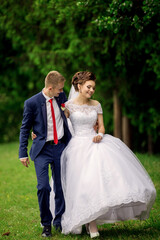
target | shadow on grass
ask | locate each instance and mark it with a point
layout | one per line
(118, 231)
(129, 232)
(125, 233)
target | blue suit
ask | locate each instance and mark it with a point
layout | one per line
(35, 117)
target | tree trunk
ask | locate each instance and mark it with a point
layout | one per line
(117, 115)
(126, 131)
(150, 144)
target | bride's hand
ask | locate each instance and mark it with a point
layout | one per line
(97, 139)
(33, 135)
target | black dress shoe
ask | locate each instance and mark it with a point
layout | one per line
(58, 227)
(46, 231)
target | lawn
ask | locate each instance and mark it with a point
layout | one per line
(19, 213)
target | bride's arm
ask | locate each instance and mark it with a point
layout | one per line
(66, 112)
(101, 129)
(33, 136)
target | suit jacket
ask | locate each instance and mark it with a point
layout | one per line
(35, 117)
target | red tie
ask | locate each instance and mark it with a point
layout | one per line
(54, 123)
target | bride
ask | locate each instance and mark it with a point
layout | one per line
(102, 179)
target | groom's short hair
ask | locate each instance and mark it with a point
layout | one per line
(53, 78)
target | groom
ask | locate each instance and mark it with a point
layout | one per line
(43, 113)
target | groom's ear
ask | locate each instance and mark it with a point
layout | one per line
(50, 88)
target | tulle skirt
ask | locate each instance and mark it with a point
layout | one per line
(103, 181)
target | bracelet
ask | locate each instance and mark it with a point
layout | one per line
(100, 134)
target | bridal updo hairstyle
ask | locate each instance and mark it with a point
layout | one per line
(81, 78)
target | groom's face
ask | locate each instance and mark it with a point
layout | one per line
(55, 91)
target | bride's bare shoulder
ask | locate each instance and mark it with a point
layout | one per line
(94, 102)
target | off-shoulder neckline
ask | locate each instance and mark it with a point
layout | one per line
(71, 101)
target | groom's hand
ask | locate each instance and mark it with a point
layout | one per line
(25, 161)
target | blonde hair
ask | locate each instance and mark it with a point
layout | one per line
(53, 78)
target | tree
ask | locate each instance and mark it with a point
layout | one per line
(135, 35)
(117, 40)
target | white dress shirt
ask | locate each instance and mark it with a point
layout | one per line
(58, 118)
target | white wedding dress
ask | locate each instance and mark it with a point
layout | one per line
(103, 181)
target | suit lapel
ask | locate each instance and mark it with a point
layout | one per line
(59, 105)
(44, 112)
(58, 102)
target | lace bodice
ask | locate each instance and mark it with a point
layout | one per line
(83, 117)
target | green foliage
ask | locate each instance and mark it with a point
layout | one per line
(121, 15)
(135, 34)
(117, 40)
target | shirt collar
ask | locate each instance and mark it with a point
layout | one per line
(46, 97)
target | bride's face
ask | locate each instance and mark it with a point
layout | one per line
(87, 89)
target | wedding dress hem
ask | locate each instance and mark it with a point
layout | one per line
(101, 181)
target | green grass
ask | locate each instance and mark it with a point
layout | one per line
(19, 212)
